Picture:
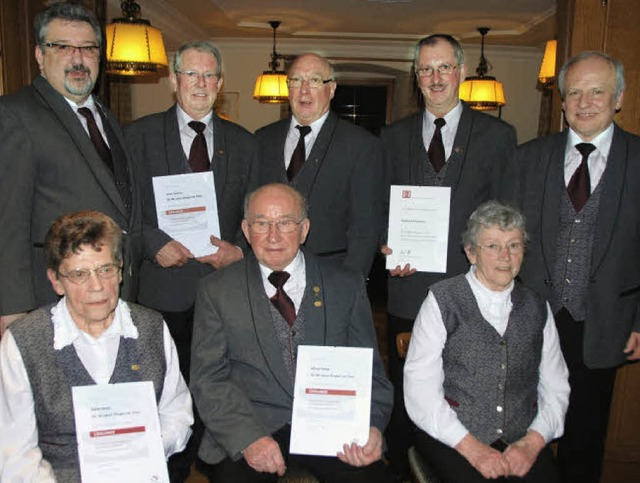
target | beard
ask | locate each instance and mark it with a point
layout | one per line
(75, 86)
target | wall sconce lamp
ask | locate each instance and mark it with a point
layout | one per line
(271, 85)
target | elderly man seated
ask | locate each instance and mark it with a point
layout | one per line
(485, 381)
(245, 347)
(89, 337)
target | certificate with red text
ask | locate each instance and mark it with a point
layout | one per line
(118, 432)
(187, 210)
(332, 399)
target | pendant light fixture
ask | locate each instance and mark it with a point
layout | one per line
(134, 47)
(547, 74)
(483, 92)
(271, 86)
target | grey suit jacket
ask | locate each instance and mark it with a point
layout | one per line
(342, 180)
(50, 167)
(482, 148)
(535, 182)
(155, 143)
(238, 378)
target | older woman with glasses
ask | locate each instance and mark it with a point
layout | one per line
(89, 337)
(485, 380)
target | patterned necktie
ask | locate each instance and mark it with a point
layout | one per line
(198, 155)
(96, 137)
(436, 148)
(579, 187)
(281, 300)
(299, 155)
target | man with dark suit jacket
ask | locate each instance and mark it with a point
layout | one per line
(336, 165)
(580, 192)
(61, 152)
(244, 349)
(167, 143)
(467, 153)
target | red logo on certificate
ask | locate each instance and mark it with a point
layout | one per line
(406, 193)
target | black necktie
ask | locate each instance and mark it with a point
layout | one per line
(579, 187)
(281, 300)
(198, 155)
(436, 148)
(299, 155)
(96, 137)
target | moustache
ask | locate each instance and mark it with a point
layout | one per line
(437, 85)
(78, 68)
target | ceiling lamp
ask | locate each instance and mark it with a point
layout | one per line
(134, 47)
(271, 86)
(483, 92)
(547, 75)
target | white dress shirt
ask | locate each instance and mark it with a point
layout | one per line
(449, 130)
(294, 286)
(91, 105)
(597, 159)
(293, 136)
(187, 134)
(20, 456)
(424, 374)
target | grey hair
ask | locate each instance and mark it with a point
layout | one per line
(493, 214)
(299, 198)
(203, 46)
(434, 39)
(67, 11)
(332, 72)
(590, 54)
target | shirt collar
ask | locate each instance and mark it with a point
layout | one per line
(294, 266)
(315, 125)
(486, 292)
(451, 118)
(65, 331)
(602, 141)
(184, 119)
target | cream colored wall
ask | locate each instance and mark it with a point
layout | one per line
(243, 60)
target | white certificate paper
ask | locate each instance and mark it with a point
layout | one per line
(187, 210)
(118, 433)
(332, 399)
(419, 227)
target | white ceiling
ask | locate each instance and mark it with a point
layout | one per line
(512, 22)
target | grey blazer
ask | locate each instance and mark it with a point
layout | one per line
(535, 182)
(342, 180)
(155, 143)
(482, 148)
(49, 167)
(238, 378)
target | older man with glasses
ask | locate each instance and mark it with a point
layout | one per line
(61, 151)
(333, 163)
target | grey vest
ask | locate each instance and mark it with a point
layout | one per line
(53, 373)
(480, 366)
(574, 248)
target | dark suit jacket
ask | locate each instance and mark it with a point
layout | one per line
(535, 182)
(482, 147)
(238, 378)
(155, 143)
(50, 167)
(342, 182)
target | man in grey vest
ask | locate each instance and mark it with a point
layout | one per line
(580, 192)
(250, 319)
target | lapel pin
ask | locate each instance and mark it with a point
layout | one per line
(318, 303)
(135, 367)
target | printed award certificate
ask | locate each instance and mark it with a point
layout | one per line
(419, 227)
(118, 433)
(332, 399)
(187, 210)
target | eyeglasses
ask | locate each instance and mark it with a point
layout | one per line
(81, 275)
(442, 69)
(64, 49)
(283, 226)
(494, 249)
(313, 82)
(192, 76)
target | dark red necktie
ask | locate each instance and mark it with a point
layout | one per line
(579, 187)
(281, 300)
(436, 148)
(198, 155)
(96, 137)
(299, 154)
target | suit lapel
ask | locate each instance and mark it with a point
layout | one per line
(70, 122)
(611, 196)
(455, 162)
(263, 325)
(219, 160)
(176, 159)
(313, 304)
(274, 150)
(418, 153)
